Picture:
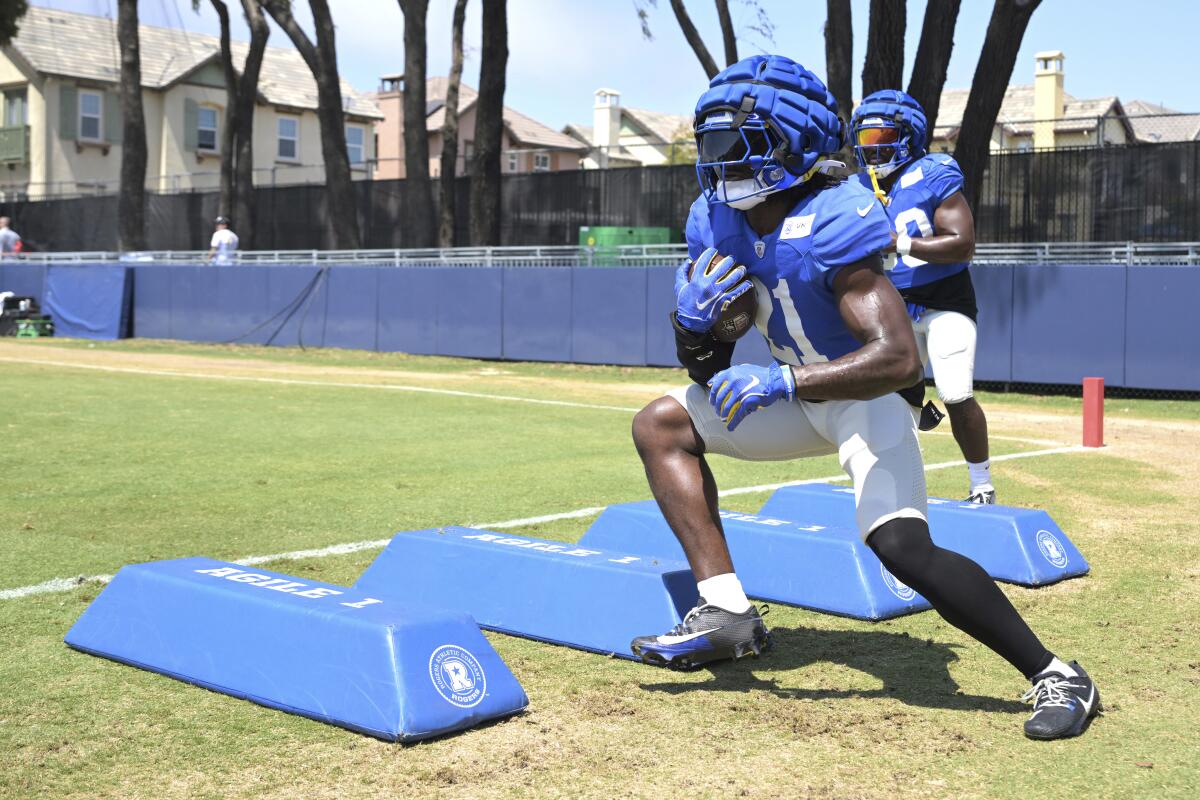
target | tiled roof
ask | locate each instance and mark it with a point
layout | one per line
(1154, 123)
(1017, 114)
(665, 126)
(84, 46)
(524, 130)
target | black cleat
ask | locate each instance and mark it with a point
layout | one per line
(707, 633)
(1062, 707)
(983, 497)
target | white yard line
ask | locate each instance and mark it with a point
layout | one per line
(67, 584)
(399, 388)
(394, 387)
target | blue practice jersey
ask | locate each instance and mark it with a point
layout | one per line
(922, 186)
(792, 267)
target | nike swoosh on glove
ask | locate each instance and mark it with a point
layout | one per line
(699, 300)
(744, 388)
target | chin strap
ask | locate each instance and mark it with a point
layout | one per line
(879, 192)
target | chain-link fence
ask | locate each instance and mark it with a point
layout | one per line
(1143, 193)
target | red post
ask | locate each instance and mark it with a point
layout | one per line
(1093, 412)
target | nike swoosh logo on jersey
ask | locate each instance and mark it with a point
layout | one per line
(862, 212)
(680, 639)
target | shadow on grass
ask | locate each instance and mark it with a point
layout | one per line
(913, 671)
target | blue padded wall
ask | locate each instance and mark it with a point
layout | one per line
(25, 280)
(660, 302)
(1040, 324)
(283, 287)
(1068, 324)
(88, 301)
(1158, 354)
(152, 302)
(993, 348)
(608, 317)
(351, 308)
(537, 313)
(469, 306)
(408, 301)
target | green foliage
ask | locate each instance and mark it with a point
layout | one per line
(11, 12)
(683, 146)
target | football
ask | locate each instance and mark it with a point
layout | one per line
(737, 316)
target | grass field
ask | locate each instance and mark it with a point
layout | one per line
(138, 451)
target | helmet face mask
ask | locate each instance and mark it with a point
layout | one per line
(881, 144)
(737, 166)
(888, 130)
(762, 126)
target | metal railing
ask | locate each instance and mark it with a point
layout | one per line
(1113, 253)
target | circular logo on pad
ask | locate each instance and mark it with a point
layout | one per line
(1052, 549)
(457, 675)
(903, 591)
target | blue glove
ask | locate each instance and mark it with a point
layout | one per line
(743, 388)
(699, 301)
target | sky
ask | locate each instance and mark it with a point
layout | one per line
(561, 51)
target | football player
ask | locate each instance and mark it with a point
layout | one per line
(843, 346)
(933, 241)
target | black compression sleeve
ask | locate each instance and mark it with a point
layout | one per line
(701, 354)
(960, 590)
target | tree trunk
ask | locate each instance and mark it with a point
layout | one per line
(229, 125)
(996, 61)
(416, 137)
(884, 68)
(727, 33)
(839, 52)
(321, 59)
(450, 129)
(933, 56)
(131, 204)
(489, 126)
(693, 38)
(247, 101)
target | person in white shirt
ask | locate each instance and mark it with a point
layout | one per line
(10, 240)
(224, 243)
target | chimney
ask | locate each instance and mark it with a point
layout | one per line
(606, 124)
(1047, 96)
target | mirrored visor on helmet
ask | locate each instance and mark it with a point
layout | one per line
(878, 136)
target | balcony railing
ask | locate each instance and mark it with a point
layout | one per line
(14, 144)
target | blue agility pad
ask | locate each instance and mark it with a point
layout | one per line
(811, 566)
(566, 594)
(1017, 545)
(387, 669)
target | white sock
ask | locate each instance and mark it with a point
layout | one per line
(981, 475)
(1061, 668)
(724, 591)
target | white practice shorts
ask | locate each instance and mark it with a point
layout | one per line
(946, 341)
(875, 440)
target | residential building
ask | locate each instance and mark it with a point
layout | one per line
(60, 79)
(1153, 123)
(632, 137)
(526, 144)
(1041, 115)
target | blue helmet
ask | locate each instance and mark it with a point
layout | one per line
(889, 130)
(760, 128)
